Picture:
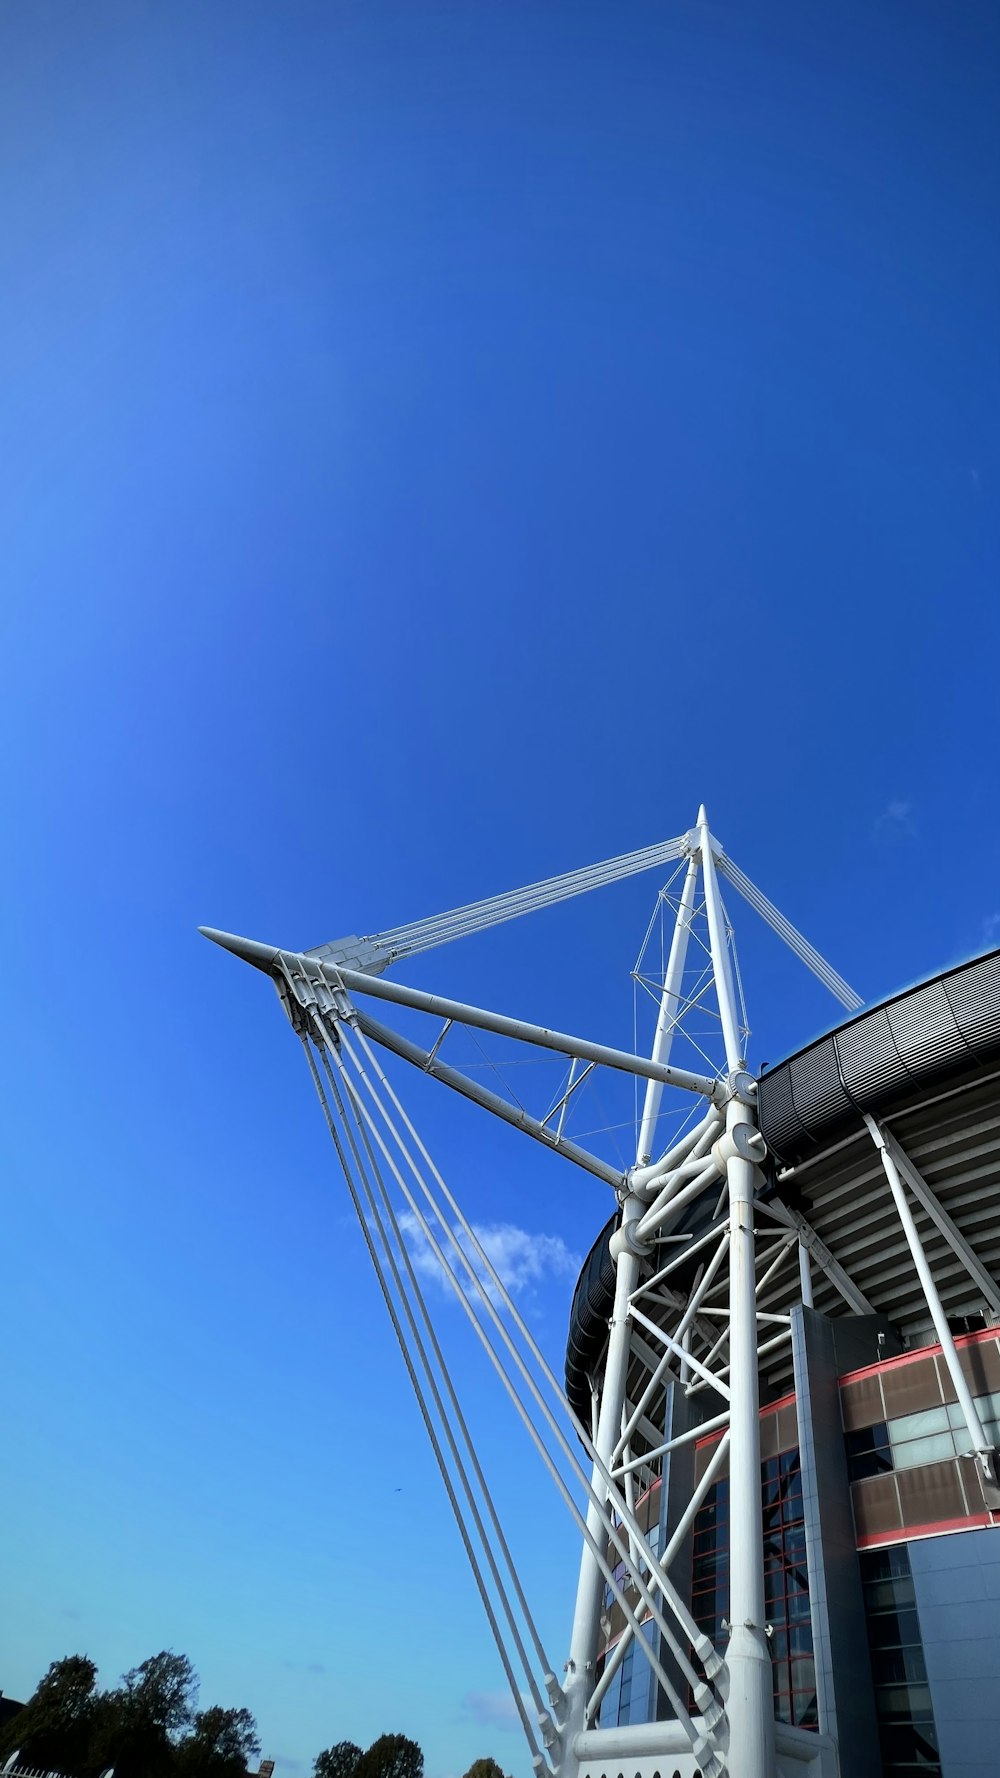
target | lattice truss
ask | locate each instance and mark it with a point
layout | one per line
(680, 1312)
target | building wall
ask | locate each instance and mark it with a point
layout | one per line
(957, 1585)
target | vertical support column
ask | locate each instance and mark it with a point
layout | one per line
(805, 1275)
(590, 1587)
(750, 1705)
(669, 1002)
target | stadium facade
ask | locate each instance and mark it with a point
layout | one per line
(779, 1430)
(881, 1525)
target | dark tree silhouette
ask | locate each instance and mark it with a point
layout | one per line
(484, 1768)
(55, 1726)
(339, 1761)
(136, 1727)
(221, 1744)
(391, 1756)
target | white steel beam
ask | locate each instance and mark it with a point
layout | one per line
(816, 1246)
(928, 1201)
(970, 1413)
(666, 1023)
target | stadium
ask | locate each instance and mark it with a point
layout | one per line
(882, 1574)
(778, 1431)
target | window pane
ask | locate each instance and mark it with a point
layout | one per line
(868, 1463)
(903, 1703)
(866, 1438)
(884, 1595)
(924, 1450)
(918, 1425)
(894, 1629)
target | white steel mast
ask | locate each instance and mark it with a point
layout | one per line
(394, 1184)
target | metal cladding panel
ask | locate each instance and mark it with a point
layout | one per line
(817, 1088)
(925, 1032)
(885, 1060)
(974, 996)
(780, 1122)
(870, 1063)
(593, 1301)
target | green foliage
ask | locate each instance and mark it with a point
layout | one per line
(339, 1761)
(391, 1756)
(57, 1721)
(221, 1744)
(484, 1768)
(147, 1727)
(136, 1726)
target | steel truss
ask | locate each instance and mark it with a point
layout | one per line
(707, 1334)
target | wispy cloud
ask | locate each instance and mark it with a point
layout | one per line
(991, 929)
(896, 820)
(305, 1667)
(492, 1710)
(523, 1260)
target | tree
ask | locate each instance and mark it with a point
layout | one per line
(339, 1761)
(391, 1756)
(221, 1744)
(162, 1691)
(484, 1768)
(54, 1727)
(137, 1726)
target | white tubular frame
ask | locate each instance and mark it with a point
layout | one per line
(383, 1156)
(970, 1413)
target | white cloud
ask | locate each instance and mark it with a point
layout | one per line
(524, 1261)
(895, 820)
(991, 929)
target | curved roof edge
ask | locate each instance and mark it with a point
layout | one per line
(906, 1043)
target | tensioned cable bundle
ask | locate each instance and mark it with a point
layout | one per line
(836, 984)
(477, 916)
(375, 1122)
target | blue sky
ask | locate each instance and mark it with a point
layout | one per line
(441, 445)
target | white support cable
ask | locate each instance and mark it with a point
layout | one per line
(806, 952)
(494, 910)
(500, 1289)
(706, 1652)
(461, 1422)
(537, 1758)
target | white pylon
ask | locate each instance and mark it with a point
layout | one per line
(319, 992)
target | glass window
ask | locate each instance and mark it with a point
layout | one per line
(786, 1582)
(902, 1696)
(924, 1450)
(918, 1425)
(893, 1629)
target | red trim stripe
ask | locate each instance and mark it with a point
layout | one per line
(902, 1358)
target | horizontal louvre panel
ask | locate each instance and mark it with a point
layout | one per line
(974, 994)
(779, 1121)
(816, 1085)
(869, 1060)
(925, 1032)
